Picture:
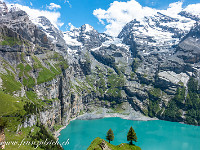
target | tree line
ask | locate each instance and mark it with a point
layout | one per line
(131, 136)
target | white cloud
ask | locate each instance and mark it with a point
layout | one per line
(173, 9)
(120, 13)
(34, 13)
(194, 9)
(31, 4)
(53, 6)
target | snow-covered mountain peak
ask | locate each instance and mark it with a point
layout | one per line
(86, 28)
(86, 36)
(3, 8)
(71, 37)
(43, 21)
(44, 24)
(54, 34)
(156, 31)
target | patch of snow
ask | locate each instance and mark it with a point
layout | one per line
(86, 36)
(115, 41)
(70, 40)
(97, 48)
(88, 28)
(50, 36)
(1, 81)
(28, 58)
(190, 73)
(71, 52)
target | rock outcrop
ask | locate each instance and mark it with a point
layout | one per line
(2, 139)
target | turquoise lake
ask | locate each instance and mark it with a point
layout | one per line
(152, 135)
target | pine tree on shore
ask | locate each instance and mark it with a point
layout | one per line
(110, 135)
(131, 136)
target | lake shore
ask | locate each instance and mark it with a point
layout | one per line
(130, 116)
(107, 113)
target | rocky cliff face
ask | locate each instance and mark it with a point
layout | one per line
(166, 58)
(34, 71)
(153, 57)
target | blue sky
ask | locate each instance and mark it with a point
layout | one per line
(79, 12)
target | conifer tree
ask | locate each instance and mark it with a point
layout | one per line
(110, 135)
(3, 123)
(131, 136)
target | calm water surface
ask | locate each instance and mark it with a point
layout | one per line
(152, 135)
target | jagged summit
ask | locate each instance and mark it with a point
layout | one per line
(156, 31)
(3, 8)
(55, 35)
(87, 28)
(19, 22)
(85, 36)
(52, 32)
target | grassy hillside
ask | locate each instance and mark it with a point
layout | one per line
(98, 143)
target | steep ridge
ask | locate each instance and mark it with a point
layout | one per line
(53, 34)
(34, 81)
(165, 56)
